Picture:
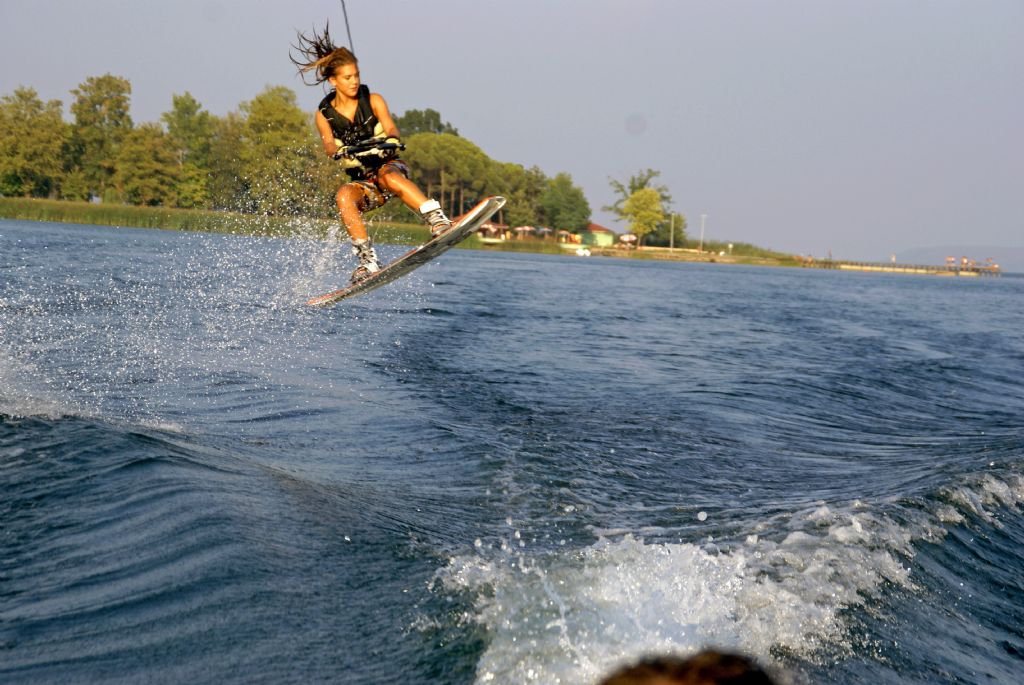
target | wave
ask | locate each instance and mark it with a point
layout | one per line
(107, 525)
(572, 616)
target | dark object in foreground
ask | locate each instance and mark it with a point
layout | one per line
(705, 668)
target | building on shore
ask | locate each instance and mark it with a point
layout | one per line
(596, 235)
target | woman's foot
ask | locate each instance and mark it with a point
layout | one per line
(434, 216)
(368, 262)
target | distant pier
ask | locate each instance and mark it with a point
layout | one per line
(970, 270)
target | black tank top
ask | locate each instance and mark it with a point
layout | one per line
(363, 124)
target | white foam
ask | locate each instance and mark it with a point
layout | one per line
(571, 617)
(982, 496)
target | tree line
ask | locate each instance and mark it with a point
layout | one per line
(263, 158)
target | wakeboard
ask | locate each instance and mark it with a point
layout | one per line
(418, 256)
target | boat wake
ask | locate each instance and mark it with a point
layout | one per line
(794, 588)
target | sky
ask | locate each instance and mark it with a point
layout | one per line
(856, 128)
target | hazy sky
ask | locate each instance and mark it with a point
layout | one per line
(862, 127)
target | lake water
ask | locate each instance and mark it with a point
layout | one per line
(504, 468)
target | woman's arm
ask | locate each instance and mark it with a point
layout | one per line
(380, 110)
(326, 135)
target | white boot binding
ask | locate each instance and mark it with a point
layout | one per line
(434, 216)
(367, 256)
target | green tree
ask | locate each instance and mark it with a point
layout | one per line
(661, 235)
(423, 121)
(101, 123)
(644, 211)
(639, 181)
(523, 189)
(192, 190)
(32, 138)
(74, 186)
(227, 187)
(147, 168)
(564, 205)
(277, 152)
(190, 130)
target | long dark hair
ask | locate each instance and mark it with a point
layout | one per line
(318, 54)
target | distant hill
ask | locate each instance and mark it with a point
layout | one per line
(1009, 259)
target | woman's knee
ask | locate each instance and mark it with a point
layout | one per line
(386, 180)
(348, 197)
(392, 180)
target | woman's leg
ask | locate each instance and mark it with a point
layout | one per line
(398, 184)
(351, 203)
(350, 199)
(393, 180)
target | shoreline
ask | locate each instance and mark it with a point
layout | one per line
(236, 223)
(305, 227)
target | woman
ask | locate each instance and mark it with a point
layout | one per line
(350, 114)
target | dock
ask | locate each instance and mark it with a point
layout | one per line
(970, 270)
